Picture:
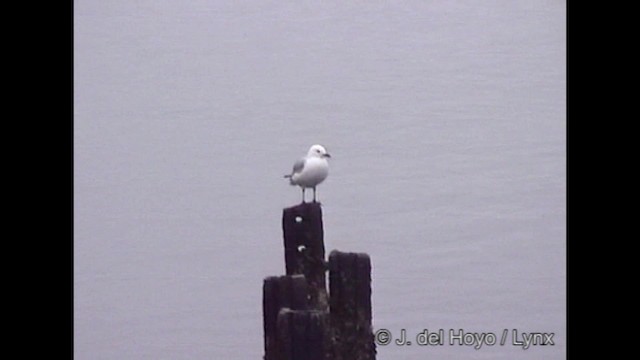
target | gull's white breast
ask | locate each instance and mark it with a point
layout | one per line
(314, 172)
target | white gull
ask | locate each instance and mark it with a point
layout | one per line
(310, 170)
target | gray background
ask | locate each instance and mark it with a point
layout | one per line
(446, 122)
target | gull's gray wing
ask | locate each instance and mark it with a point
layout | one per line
(298, 166)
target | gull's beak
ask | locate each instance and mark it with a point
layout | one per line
(326, 155)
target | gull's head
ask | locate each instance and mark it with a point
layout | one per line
(318, 151)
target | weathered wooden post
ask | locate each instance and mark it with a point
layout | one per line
(302, 321)
(350, 306)
(303, 334)
(304, 249)
(279, 292)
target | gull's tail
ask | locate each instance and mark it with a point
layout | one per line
(290, 177)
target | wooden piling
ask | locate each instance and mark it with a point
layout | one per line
(304, 249)
(301, 320)
(279, 292)
(302, 334)
(350, 306)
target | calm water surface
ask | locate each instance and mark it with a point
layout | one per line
(446, 121)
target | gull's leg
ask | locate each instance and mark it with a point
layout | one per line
(314, 194)
(303, 194)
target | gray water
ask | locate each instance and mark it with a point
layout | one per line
(446, 121)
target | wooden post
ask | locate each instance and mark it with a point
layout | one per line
(350, 306)
(302, 322)
(304, 249)
(280, 292)
(302, 334)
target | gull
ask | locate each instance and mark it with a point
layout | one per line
(310, 170)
